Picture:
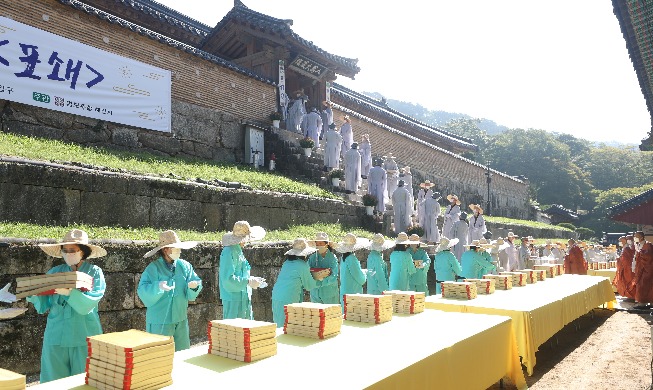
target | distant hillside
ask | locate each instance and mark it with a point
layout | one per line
(436, 117)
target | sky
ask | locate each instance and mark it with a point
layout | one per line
(555, 65)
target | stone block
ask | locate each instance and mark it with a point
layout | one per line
(50, 118)
(87, 136)
(46, 205)
(209, 291)
(110, 183)
(176, 214)
(124, 136)
(162, 143)
(232, 135)
(120, 291)
(111, 209)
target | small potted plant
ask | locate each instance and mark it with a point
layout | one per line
(275, 117)
(336, 175)
(415, 229)
(369, 201)
(307, 144)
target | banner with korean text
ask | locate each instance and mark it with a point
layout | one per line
(45, 70)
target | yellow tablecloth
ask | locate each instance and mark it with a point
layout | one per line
(433, 349)
(609, 273)
(538, 310)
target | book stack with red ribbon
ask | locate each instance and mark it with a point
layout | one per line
(530, 275)
(129, 360)
(483, 286)
(407, 302)
(314, 320)
(459, 290)
(501, 282)
(540, 274)
(374, 309)
(242, 340)
(46, 284)
(551, 269)
(518, 278)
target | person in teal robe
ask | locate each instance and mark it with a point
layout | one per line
(446, 265)
(474, 265)
(72, 313)
(166, 286)
(401, 264)
(325, 258)
(234, 279)
(418, 279)
(377, 268)
(352, 276)
(294, 277)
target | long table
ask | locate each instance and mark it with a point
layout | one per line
(609, 273)
(538, 310)
(432, 349)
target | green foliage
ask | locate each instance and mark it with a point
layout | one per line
(524, 222)
(585, 233)
(567, 225)
(598, 220)
(415, 230)
(612, 167)
(369, 200)
(337, 174)
(150, 164)
(306, 143)
(469, 128)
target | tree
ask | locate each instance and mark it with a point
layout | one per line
(619, 167)
(468, 127)
(598, 220)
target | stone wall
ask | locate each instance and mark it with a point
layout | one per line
(46, 193)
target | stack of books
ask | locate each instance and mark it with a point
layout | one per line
(320, 273)
(459, 290)
(45, 284)
(132, 359)
(242, 340)
(374, 309)
(501, 282)
(10, 380)
(314, 320)
(612, 264)
(483, 286)
(550, 269)
(518, 278)
(407, 302)
(560, 269)
(540, 274)
(603, 264)
(530, 275)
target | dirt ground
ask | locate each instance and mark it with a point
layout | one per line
(601, 350)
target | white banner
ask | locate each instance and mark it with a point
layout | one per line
(283, 96)
(45, 70)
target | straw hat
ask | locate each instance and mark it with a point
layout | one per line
(74, 236)
(453, 198)
(475, 243)
(500, 244)
(379, 243)
(169, 239)
(365, 138)
(475, 207)
(243, 232)
(327, 103)
(427, 184)
(511, 235)
(300, 247)
(415, 237)
(402, 238)
(351, 243)
(446, 243)
(548, 243)
(320, 236)
(346, 118)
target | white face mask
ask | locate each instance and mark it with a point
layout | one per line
(321, 248)
(629, 242)
(174, 253)
(72, 258)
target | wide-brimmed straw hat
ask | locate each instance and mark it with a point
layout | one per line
(365, 138)
(453, 198)
(379, 243)
(346, 118)
(427, 184)
(320, 236)
(500, 244)
(169, 239)
(351, 243)
(475, 207)
(415, 237)
(511, 235)
(74, 236)
(402, 238)
(446, 243)
(300, 247)
(475, 243)
(243, 232)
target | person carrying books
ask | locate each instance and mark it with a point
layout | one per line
(418, 279)
(377, 268)
(234, 279)
(446, 265)
(166, 286)
(325, 258)
(352, 277)
(401, 263)
(73, 313)
(294, 277)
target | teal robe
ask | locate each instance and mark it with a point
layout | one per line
(446, 268)
(418, 279)
(294, 277)
(474, 265)
(352, 277)
(377, 277)
(328, 291)
(233, 279)
(401, 268)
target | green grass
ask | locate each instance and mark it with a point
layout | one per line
(32, 231)
(523, 222)
(150, 164)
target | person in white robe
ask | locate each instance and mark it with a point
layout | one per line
(332, 145)
(347, 135)
(512, 252)
(524, 254)
(559, 252)
(451, 215)
(477, 226)
(425, 192)
(391, 168)
(459, 230)
(365, 149)
(327, 117)
(296, 112)
(500, 249)
(401, 208)
(548, 249)
(377, 185)
(407, 177)
(313, 124)
(431, 211)
(352, 163)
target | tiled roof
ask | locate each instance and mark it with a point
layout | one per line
(636, 20)
(168, 15)
(556, 209)
(629, 204)
(241, 13)
(381, 108)
(163, 39)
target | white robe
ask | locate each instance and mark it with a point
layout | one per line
(401, 208)
(347, 137)
(376, 186)
(352, 163)
(524, 255)
(459, 231)
(408, 183)
(365, 149)
(327, 119)
(503, 260)
(422, 195)
(451, 215)
(313, 124)
(392, 169)
(558, 254)
(513, 258)
(332, 144)
(431, 210)
(296, 114)
(476, 227)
